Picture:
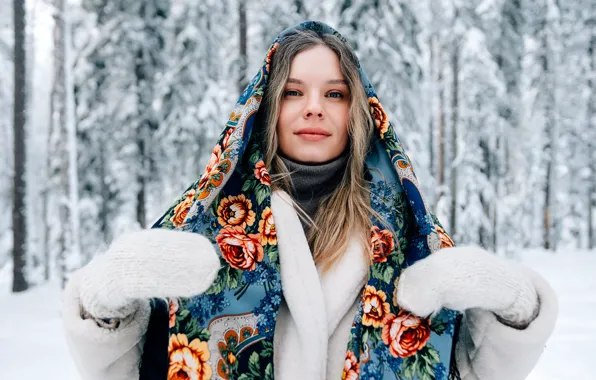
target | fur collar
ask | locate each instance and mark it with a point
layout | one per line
(315, 302)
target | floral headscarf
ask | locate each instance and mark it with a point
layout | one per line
(227, 332)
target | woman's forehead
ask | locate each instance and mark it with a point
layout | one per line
(318, 63)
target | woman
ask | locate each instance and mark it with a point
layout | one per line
(304, 252)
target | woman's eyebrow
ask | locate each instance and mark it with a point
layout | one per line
(330, 81)
(338, 81)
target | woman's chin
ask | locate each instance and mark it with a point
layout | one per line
(308, 157)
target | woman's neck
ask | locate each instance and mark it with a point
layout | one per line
(311, 182)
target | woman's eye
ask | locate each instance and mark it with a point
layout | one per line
(336, 95)
(291, 93)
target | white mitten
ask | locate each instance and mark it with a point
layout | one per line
(146, 264)
(463, 278)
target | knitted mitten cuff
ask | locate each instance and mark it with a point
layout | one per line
(105, 323)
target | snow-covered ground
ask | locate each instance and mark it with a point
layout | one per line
(32, 345)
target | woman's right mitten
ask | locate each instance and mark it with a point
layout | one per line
(147, 264)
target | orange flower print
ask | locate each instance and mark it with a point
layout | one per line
(226, 348)
(235, 211)
(242, 251)
(223, 370)
(188, 361)
(262, 174)
(174, 307)
(226, 140)
(446, 241)
(211, 168)
(379, 116)
(405, 333)
(231, 358)
(181, 209)
(267, 228)
(351, 367)
(269, 55)
(381, 244)
(375, 308)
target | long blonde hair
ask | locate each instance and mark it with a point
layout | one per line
(346, 211)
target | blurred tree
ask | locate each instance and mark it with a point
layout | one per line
(63, 145)
(19, 213)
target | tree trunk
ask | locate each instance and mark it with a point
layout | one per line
(441, 126)
(143, 99)
(484, 234)
(104, 211)
(454, 136)
(591, 207)
(146, 65)
(549, 150)
(49, 186)
(546, 212)
(45, 199)
(71, 138)
(499, 175)
(141, 178)
(19, 213)
(431, 121)
(242, 82)
(45, 234)
(64, 147)
(592, 127)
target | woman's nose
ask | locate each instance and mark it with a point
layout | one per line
(313, 108)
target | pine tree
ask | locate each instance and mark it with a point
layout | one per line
(482, 88)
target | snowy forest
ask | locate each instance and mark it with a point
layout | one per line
(109, 110)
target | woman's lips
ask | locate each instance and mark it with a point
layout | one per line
(313, 134)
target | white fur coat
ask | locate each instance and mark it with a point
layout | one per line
(314, 322)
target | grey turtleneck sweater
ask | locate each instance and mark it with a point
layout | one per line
(312, 182)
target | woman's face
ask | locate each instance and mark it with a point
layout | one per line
(314, 112)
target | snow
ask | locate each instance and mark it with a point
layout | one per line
(32, 345)
(568, 352)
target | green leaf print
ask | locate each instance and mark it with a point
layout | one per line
(269, 372)
(183, 314)
(267, 349)
(249, 184)
(254, 365)
(376, 272)
(390, 143)
(191, 329)
(203, 334)
(422, 365)
(398, 258)
(255, 157)
(388, 275)
(272, 253)
(365, 336)
(262, 192)
(234, 277)
(438, 326)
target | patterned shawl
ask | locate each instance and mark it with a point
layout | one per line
(227, 332)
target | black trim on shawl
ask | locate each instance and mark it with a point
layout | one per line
(453, 370)
(154, 361)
